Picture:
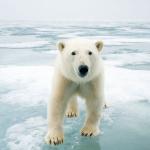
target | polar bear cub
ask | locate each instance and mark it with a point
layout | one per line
(79, 71)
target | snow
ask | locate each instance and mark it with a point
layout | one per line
(122, 85)
(27, 135)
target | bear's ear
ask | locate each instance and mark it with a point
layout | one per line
(99, 45)
(61, 45)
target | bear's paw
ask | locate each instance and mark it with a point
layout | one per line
(90, 131)
(54, 137)
(70, 113)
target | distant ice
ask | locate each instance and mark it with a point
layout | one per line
(117, 40)
(109, 40)
(126, 58)
(32, 44)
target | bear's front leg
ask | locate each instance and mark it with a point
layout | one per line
(94, 110)
(55, 133)
(57, 105)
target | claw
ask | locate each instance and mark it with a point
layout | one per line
(91, 134)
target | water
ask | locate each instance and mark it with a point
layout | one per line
(27, 54)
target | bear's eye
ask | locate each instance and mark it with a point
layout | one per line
(73, 53)
(90, 53)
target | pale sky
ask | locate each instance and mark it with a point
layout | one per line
(74, 10)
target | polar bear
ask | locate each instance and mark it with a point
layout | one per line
(79, 71)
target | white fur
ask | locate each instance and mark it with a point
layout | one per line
(67, 85)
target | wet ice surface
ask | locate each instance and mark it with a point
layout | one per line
(27, 54)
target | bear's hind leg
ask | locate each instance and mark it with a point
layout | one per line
(72, 108)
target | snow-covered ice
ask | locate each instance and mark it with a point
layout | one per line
(27, 54)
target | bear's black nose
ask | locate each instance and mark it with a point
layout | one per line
(83, 70)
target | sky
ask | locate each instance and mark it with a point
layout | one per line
(75, 10)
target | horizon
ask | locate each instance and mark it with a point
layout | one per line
(73, 21)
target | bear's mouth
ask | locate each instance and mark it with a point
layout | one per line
(83, 70)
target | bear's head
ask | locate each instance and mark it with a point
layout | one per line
(80, 59)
